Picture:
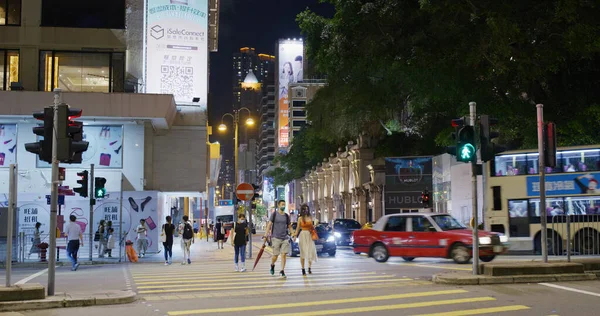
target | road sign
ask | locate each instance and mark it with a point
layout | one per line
(61, 199)
(244, 191)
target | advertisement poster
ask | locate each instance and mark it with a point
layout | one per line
(176, 49)
(405, 179)
(290, 70)
(137, 205)
(8, 145)
(105, 148)
(565, 184)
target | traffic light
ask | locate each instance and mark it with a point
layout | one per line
(43, 148)
(488, 148)
(83, 190)
(465, 146)
(70, 135)
(550, 145)
(99, 190)
(425, 198)
(457, 124)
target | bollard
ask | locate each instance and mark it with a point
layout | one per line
(43, 250)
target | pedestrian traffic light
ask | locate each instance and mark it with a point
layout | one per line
(549, 145)
(457, 124)
(465, 147)
(488, 148)
(70, 135)
(83, 190)
(425, 198)
(43, 147)
(99, 190)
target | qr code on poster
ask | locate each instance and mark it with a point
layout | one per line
(177, 80)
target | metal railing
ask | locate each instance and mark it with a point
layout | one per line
(575, 235)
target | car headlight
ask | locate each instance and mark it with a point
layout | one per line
(503, 239)
(330, 239)
(485, 240)
(337, 235)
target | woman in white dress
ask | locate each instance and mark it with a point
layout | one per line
(308, 251)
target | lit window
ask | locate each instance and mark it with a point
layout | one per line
(9, 65)
(10, 12)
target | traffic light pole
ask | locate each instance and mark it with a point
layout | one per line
(473, 112)
(250, 231)
(53, 195)
(542, 169)
(91, 195)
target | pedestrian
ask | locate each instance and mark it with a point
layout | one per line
(220, 234)
(110, 241)
(278, 230)
(239, 240)
(36, 240)
(308, 250)
(187, 238)
(168, 230)
(100, 235)
(74, 236)
(106, 235)
(142, 238)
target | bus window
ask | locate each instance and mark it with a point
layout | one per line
(518, 220)
(554, 206)
(511, 165)
(583, 205)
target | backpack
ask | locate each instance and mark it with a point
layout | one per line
(188, 232)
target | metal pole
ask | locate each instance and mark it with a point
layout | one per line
(121, 221)
(236, 149)
(542, 169)
(472, 110)
(91, 194)
(53, 196)
(568, 238)
(250, 232)
(9, 229)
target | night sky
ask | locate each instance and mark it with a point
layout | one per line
(252, 23)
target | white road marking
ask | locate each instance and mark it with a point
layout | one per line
(560, 287)
(31, 277)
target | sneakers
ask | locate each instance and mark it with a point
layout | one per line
(189, 261)
(303, 272)
(282, 274)
(272, 269)
(236, 268)
(309, 271)
(75, 267)
(243, 269)
(166, 263)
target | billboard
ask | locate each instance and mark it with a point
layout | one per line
(105, 149)
(176, 49)
(405, 179)
(290, 70)
(8, 144)
(565, 184)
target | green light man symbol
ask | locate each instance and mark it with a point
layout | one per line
(467, 152)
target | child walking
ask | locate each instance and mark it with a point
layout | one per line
(110, 244)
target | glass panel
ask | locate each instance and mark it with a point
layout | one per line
(46, 77)
(81, 72)
(14, 12)
(554, 206)
(532, 163)
(518, 220)
(2, 13)
(420, 224)
(118, 72)
(511, 165)
(2, 53)
(571, 162)
(396, 224)
(12, 74)
(589, 205)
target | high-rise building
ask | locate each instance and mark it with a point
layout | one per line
(299, 94)
(246, 61)
(266, 136)
(226, 181)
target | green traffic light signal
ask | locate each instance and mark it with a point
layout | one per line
(465, 147)
(466, 152)
(100, 193)
(99, 190)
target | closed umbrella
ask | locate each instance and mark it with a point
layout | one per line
(262, 249)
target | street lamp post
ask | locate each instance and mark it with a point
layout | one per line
(222, 127)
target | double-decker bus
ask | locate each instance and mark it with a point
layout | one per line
(513, 204)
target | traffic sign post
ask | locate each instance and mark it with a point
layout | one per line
(244, 191)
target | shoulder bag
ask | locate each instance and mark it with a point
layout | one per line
(163, 236)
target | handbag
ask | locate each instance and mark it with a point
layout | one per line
(163, 236)
(314, 235)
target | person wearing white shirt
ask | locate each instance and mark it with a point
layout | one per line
(142, 238)
(74, 236)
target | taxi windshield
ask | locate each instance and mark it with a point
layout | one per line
(447, 222)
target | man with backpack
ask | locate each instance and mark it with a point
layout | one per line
(278, 230)
(187, 238)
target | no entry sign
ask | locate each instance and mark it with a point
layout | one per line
(244, 191)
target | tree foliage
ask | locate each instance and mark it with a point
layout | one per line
(386, 58)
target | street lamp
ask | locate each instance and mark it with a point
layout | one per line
(236, 120)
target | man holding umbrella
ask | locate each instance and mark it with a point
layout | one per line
(278, 229)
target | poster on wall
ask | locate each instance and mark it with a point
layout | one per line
(405, 179)
(136, 206)
(290, 70)
(8, 145)
(105, 149)
(176, 49)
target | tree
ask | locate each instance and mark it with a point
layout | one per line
(387, 58)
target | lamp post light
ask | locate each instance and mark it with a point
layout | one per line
(236, 119)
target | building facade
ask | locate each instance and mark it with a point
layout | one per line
(300, 94)
(262, 67)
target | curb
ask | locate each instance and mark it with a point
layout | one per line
(63, 300)
(485, 280)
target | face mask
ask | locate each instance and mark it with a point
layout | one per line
(282, 208)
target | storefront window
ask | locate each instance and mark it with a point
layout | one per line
(10, 12)
(9, 68)
(82, 71)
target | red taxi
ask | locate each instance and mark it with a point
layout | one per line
(425, 235)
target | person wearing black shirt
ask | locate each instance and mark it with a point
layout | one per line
(169, 230)
(239, 242)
